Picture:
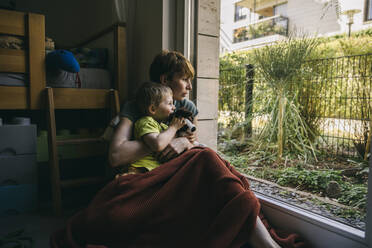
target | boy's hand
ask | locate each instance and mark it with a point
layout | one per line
(177, 122)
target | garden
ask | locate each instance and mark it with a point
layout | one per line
(295, 117)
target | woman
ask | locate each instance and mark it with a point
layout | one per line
(175, 71)
(196, 199)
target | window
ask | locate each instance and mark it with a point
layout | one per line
(240, 13)
(368, 15)
(280, 9)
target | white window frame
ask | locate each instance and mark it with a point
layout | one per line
(238, 16)
(368, 10)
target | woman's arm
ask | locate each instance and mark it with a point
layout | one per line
(123, 150)
(158, 141)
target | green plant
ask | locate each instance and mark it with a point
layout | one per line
(310, 180)
(328, 93)
(354, 195)
(282, 69)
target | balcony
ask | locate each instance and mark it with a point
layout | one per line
(262, 7)
(265, 27)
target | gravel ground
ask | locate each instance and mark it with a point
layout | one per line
(320, 205)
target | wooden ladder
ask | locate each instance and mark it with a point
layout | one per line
(56, 182)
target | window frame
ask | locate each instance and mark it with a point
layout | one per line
(367, 8)
(237, 16)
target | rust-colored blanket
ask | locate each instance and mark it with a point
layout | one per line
(195, 200)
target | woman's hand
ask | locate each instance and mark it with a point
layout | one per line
(191, 136)
(174, 149)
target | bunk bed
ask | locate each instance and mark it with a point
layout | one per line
(31, 62)
(35, 95)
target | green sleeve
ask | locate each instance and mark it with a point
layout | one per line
(146, 125)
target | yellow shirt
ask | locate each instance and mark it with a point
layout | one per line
(144, 126)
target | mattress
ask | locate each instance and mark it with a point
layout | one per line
(90, 78)
(93, 61)
(13, 79)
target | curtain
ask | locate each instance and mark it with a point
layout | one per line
(120, 7)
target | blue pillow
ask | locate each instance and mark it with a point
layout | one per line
(62, 59)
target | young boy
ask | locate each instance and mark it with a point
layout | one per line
(155, 102)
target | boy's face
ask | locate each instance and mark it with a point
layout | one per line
(165, 108)
(180, 85)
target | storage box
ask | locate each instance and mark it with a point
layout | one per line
(18, 199)
(21, 169)
(17, 139)
(18, 169)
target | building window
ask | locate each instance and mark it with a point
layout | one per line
(240, 13)
(368, 15)
(282, 9)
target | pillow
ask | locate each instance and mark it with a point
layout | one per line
(62, 60)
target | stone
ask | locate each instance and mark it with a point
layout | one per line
(333, 189)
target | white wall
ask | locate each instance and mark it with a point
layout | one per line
(359, 22)
(207, 67)
(305, 15)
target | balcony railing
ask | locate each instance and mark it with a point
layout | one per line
(264, 27)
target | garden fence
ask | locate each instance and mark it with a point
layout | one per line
(338, 94)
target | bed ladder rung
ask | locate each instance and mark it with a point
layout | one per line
(79, 141)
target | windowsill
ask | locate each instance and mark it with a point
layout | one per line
(320, 222)
(367, 22)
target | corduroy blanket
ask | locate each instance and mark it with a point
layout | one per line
(195, 200)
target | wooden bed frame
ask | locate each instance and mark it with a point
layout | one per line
(39, 97)
(32, 62)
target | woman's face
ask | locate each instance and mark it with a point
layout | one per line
(180, 85)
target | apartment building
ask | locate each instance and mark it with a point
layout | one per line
(246, 24)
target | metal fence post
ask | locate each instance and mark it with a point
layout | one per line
(249, 74)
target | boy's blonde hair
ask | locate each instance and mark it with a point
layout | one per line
(150, 93)
(170, 63)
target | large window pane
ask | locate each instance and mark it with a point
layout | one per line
(334, 101)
